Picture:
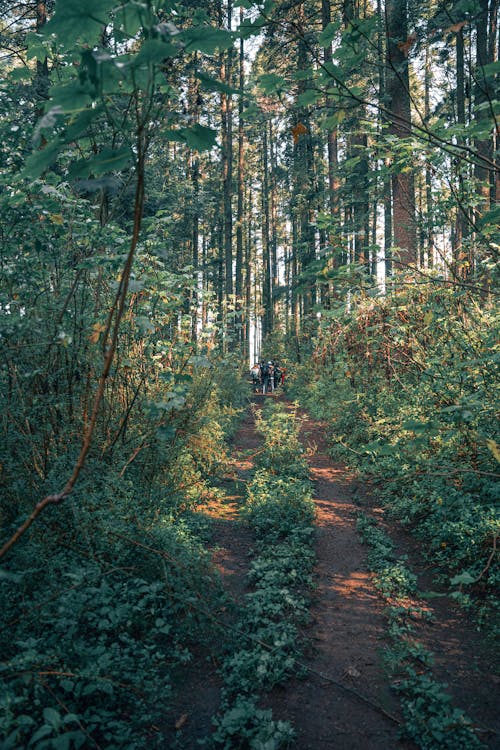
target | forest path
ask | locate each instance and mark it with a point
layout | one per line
(348, 629)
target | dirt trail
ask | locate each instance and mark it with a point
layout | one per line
(347, 628)
(347, 631)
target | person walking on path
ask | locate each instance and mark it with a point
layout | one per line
(265, 371)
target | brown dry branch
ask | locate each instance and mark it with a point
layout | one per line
(490, 559)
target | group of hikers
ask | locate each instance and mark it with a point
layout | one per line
(267, 376)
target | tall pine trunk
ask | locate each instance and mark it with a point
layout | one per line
(398, 103)
(227, 161)
(240, 210)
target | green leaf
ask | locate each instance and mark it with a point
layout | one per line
(308, 97)
(198, 137)
(329, 33)
(271, 82)
(214, 84)
(304, 74)
(155, 52)
(40, 160)
(40, 734)
(20, 74)
(491, 69)
(490, 217)
(52, 717)
(80, 122)
(462, 578)
(75, 21)
(36, 46)
(129, 18)
(334, 120)
(107, 160)
(72, 97)
(206, 39)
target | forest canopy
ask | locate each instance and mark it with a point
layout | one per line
(188, 187)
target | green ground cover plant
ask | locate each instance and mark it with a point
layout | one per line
(431, 720)
(280, 511)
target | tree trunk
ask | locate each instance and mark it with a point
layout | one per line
(332, 145)
(267, 322)
(304, 179)
(241, 185)
(398, 103)
(428, 173)
(481, 98)
(227, 162)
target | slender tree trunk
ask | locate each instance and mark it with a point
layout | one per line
(273, 225)
(398, 99)
(482, 96)
(386, 175)
(428, 173)
(248, 274)
(461, 229)
(266, 249)
(194, 168)
(494, 51)
(241, 186)
(227, 161)
(304, 179)
(332, 150)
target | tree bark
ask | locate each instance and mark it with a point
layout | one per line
(227, 161)
(240, 331)
(398, 102)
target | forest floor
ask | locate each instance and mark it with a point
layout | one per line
(345, 701)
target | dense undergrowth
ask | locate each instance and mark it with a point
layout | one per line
(106, 596)
(409, 387)
(280, 511)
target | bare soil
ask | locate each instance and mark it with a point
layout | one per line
(345, 702)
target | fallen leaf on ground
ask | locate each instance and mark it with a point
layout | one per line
(181, 721)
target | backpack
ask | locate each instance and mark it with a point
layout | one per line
(265, 369)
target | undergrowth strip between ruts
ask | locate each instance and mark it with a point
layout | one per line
(431, 720)
(280, 510)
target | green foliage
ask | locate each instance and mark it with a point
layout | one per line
(247, 726)
(277, 506)
(283, 452)
(431, 720)
(410, 394)
(391, 574)
(108, 595)
(91, 658)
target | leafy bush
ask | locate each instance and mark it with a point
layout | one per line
(108, 594)
(409, 387)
